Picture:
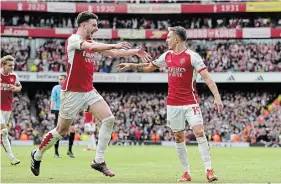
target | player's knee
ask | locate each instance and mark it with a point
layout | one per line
(179, 137)
(2, 126)
(4, 132)
(198, 130)
(109, 121)
(63, 131)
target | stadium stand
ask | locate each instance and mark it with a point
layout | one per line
(225, 36)
(140, 115)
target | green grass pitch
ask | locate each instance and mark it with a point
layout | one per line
(146, 164)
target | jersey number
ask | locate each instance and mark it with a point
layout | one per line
(196, 110)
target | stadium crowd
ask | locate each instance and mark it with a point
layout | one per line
(218, 55)
(23, 124)
(141, 115)
(20, 49)
(143, 22)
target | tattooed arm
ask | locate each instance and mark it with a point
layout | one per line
(142, 67)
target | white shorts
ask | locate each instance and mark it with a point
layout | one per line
(178, 115)
(73, 102)
(89, 127)
(5, 117)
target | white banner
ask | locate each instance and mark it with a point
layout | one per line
(230, 144)
(154, 8)
(61, 7)
(213, 144)
(22, 143)
(103, 34)
(131, 33)
(64, 31)
(257, 32)
(75, 143)
(274, 77)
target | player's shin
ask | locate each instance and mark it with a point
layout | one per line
(104, 138)
(182, 151)
(6, 143)
(93, 139)
(204, 150)
(49, 140)
(57, 147)
(89, 141)
(71, 140)
(183, 156)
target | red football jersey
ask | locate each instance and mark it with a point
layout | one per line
(6, 95)
(182, 72)
(80, 66)
(88, 117)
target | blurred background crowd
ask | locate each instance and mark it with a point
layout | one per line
(141, 115)
(250, 115)
(218, 55)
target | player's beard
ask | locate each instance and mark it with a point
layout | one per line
(89, 35)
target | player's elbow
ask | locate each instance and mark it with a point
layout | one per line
(95, 49)
(207, 77)
(210, 82)
(150, 68)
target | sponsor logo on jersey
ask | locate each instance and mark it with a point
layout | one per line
(176, 71)
(182, 61)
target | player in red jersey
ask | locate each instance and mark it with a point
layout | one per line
(9, 84)
(182, 101)
(78, 92)
(90, 128)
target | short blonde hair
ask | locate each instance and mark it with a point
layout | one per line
(180, 31)
(6, 59)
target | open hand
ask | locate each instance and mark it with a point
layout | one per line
(144, 56)
(218, 104)
(122, 67)
(12, 88)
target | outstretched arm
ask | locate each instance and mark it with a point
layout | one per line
(120, 53)
(145, 57)
(142, 67)
(99, 47)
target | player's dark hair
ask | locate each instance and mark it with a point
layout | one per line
(180, 31)
(63, 75)
(84, 17)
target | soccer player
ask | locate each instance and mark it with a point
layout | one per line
(9, 84)
(182, 101)
(90, 128)
(55, 107)
(78, 92)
